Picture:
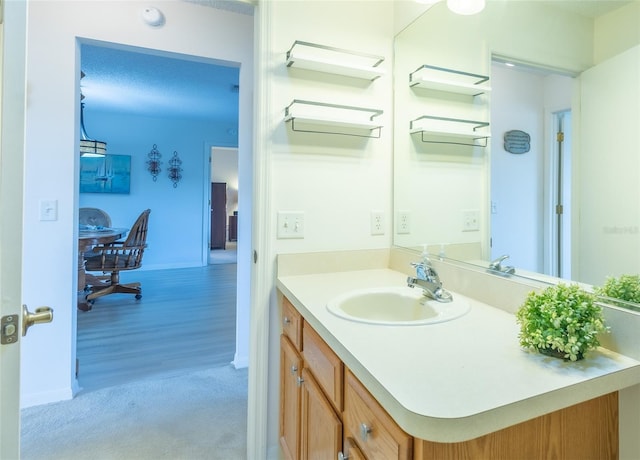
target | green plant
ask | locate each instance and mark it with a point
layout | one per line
(562, 318)
(625, 287)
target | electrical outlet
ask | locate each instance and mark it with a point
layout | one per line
(377, 223)
(403, 222)
(290, 224)
(470, 220)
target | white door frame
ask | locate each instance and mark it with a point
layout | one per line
(551, 172)
(13, 102)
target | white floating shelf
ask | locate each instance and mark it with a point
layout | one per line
(354, 121)
(320, 58)
(451, 131)
(448, 80)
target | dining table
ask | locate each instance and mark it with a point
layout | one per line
(88, 237)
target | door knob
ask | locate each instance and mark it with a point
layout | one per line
(42, 315)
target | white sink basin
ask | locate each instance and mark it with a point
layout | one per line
(396, 306)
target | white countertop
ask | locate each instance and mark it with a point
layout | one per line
(457, 380)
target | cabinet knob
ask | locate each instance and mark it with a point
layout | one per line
(365, 431)
(286, 321)
(294, 369)
(300, 381)
(342, 456)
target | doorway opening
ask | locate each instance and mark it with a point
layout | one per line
(175, 120)
(531, 188)
(223, 206)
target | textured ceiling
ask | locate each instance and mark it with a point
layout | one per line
(118, 80)
(150, 83)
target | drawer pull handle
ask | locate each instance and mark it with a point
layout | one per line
(286, 321)
(365, 431)
(294, 369)
(300, 381)
(342, 456)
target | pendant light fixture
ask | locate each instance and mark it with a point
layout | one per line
(88, 146)
(466, 7)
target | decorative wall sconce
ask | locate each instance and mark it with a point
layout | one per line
(175, 169)
(153, 163)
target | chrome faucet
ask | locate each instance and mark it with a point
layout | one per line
(427, 278)
(496, 266)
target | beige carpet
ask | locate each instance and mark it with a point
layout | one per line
(195, 415)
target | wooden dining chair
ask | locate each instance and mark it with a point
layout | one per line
(119, 256)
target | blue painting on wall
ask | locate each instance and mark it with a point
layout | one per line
(108, 174)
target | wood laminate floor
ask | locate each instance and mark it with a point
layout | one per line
(185, 320)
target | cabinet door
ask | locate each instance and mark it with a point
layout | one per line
(325, 365)
(376, 433)
(350, 451)
(290, 365)
(321, 428)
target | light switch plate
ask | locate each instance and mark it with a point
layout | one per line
(290, 224)
(48, 209)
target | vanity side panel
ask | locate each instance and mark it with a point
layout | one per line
(586, 431)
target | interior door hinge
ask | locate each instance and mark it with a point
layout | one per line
(559, 209)
(560, 136)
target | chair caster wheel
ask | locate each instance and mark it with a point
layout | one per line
(138, 296)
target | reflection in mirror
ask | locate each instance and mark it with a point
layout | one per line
(566, 209)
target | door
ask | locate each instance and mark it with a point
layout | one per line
(218, 215)
(12, 101)
(560, 184)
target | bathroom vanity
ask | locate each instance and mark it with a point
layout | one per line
(457, 389)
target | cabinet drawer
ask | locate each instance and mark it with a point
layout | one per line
(324, 364)
(292, 323)
(375, 432)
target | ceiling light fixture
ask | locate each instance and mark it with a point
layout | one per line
(466, 7)
(88, 146)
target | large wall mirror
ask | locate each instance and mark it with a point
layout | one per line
(482, 172)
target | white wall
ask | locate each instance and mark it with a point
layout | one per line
(523, 100)
(609, 170)
(171, 243)
(51, 164)
(335, 180)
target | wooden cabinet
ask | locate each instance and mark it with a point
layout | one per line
(291, 324)
(350, 451)
(320, 425)
(325, 365)
(327, 413)
(368, 424)
(290, 392)
(312, 399)
(310, 392)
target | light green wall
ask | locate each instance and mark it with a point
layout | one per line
(616, 32)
